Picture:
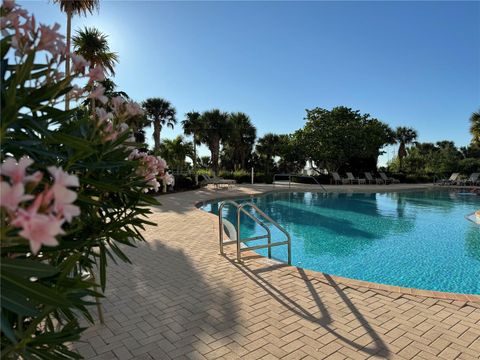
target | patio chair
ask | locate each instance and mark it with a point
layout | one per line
(450, 181)
(217, 181)
(472, 180)
(387, 179)
(339, 180)
(371, 179)
(353, 179)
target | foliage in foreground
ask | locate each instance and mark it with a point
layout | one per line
(73, 190)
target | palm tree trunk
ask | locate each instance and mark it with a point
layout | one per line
(215, 151)
(242, 158)
(67, 56)
(156, 134)
(402, 152)
(195, 159)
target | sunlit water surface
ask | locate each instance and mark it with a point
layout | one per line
(412, 239)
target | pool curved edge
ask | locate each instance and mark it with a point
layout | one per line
(327, 278)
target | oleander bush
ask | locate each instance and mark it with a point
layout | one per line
(73, 189)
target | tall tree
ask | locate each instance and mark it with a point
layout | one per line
(92, 44)
(214, 130)
(291, 153)
(241, 138)
(111, 89)
(138, 124)
(74, 7)
(475, 126)
(193, 126)
(161, 113)
(404, 136)
(343, 138)
(268, 147)
(175, 151)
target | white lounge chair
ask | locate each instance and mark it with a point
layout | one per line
(217, 181)
(339, 180)
(450, 181)
(371, 179)
(472, 180)
(388, 179)
(353, 179)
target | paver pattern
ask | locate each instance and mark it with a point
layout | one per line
(181, 300)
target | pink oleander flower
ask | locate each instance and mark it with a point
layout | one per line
(98, 94)
(29, 25)
(63, 197)
(12, 195)
(134, 154)
(51, 40)
(62, 181)
(133, 108)
(123, 127)
(76, 92)
(96, 74)
(62, 178)
(109, 133)
(79, 63)
(117, 103)
(169, 179)
(15, 171)
(103, 115)
(153, 183)
(34, 179)
(161, 164)
(42, 220)
(40, 229)
(8, 4)
(68, 211)
(21, 44)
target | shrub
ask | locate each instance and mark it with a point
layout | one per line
(469, 165)
(183, 182)
(72, 190)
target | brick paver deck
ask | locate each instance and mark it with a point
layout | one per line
(181, 300)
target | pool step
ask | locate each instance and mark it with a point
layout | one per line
(234, 233)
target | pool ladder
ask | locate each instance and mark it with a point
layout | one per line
(240, 208)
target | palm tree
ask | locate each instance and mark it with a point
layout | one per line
(268, 147)
(137, 124)
(404, 136)
(475, 126)
(92, 44)
(193, 126)
(214, 130)
(111, 89)
(174, 151)
(159, 112)
(74, 7)
(242, 137)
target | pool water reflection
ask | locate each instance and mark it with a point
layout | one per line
(410, 239)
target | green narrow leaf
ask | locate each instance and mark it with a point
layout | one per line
(6, 328)
(72, 141)
(18, 304)
(103, 266)
(5, 45)
(35, 291)
(27, 268)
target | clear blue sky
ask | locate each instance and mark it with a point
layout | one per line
(407, 63)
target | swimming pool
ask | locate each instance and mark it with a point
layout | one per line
(411, 239)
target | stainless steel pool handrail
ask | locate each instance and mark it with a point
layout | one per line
(240, 208)
(301, 176)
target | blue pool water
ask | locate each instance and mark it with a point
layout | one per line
(412, 239)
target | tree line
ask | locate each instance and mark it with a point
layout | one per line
(339, 139)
